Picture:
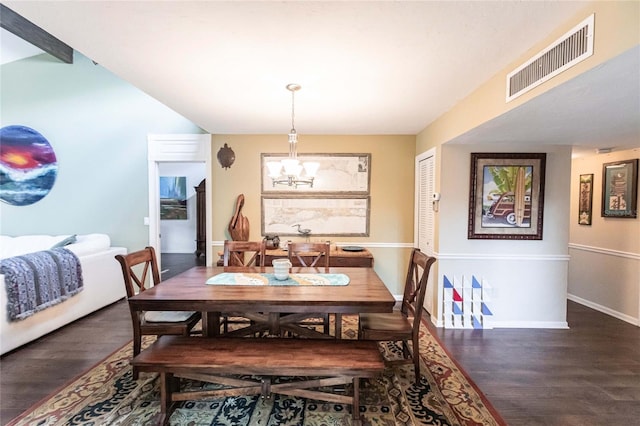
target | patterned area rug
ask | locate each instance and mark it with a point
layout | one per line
(107, 395)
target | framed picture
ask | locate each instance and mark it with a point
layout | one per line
(620, 189)
(585, 199)
(330, 216)
(173, 198)
(506, 199)
(338, 173)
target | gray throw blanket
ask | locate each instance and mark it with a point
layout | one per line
(38, 280)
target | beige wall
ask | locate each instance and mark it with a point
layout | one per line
(392, 191)
(604, 271)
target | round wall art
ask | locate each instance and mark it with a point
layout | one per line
(28, 166)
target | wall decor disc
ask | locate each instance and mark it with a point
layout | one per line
(28, 166)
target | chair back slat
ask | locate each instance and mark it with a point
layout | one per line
(318, 252)
(243, 253)
(415, 288)
(136, 267)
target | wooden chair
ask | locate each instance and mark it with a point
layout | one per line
(313, 255)
(235, 253)
(241, 253)
(310, 254)
(398, 325)
(140, 271)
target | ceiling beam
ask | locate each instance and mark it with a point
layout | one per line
(28, 31)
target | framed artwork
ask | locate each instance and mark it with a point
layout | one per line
(173, 198)
(338, 173)
(330, 216)
(29, 166)
(585, 199)
(620, 189)
(506, 199)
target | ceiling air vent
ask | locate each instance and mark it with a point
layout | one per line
(573, 47)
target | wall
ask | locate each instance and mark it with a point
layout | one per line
(98, 126)
(604, 271)
(537, 297)
(392, 191)
(179, 236)
(528, 277)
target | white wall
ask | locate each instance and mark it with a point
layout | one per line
(179, 236)
(528, 277)
(604, 271)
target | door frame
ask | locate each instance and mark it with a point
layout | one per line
(183, 148)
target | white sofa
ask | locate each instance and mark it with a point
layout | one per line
(101, 274)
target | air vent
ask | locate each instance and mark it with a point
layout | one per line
(570, 49)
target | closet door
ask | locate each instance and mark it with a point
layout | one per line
(425, 208)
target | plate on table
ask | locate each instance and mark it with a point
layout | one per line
(352, 248)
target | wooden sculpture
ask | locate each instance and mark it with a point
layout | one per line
(239, 225)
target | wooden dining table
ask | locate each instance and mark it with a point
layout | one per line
(271, 308)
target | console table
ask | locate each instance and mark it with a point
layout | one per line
(339, 257)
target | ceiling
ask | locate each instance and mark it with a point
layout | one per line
(364, 67)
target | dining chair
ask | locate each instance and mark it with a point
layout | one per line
(235, 253)
(404, 324)
(140, 271)
(313, 255)
(241, 253)
(310, 254)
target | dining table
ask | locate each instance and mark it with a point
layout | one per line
(271, 306)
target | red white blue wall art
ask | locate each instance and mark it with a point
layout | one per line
(28, 166)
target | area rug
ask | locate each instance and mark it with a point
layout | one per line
(107, 395)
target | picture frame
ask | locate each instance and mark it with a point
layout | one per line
(585, 199)
(506, 196)
(323, 216)
(173, 197)
(620, 189)
(339, 173)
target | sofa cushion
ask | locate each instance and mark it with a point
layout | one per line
(89, 244)
(84, 244)
(69, 240)
(17, 246)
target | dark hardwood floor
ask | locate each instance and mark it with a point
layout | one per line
(587, 375)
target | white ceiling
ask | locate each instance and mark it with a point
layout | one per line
(365, 67)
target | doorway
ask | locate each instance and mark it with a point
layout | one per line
(165, 151)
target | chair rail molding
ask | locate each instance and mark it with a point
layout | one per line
(505, 257)
(605, 251)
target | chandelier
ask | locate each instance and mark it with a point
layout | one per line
(289, 171)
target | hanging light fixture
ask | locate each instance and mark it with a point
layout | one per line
(289, 171)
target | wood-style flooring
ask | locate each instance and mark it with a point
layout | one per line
(586, 375)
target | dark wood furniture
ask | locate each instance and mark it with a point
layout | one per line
(338, 258)
(140, 269)
(201, 219)
(235, 253)
(241, 253)
(316, 255)
(397, 325)
(263, 304)
(309, 254)
(337, 362)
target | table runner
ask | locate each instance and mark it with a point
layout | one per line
(241, 278)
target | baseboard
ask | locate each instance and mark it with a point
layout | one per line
(604, 310)
(529, 324)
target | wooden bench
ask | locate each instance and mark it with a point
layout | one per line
(326, 362)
